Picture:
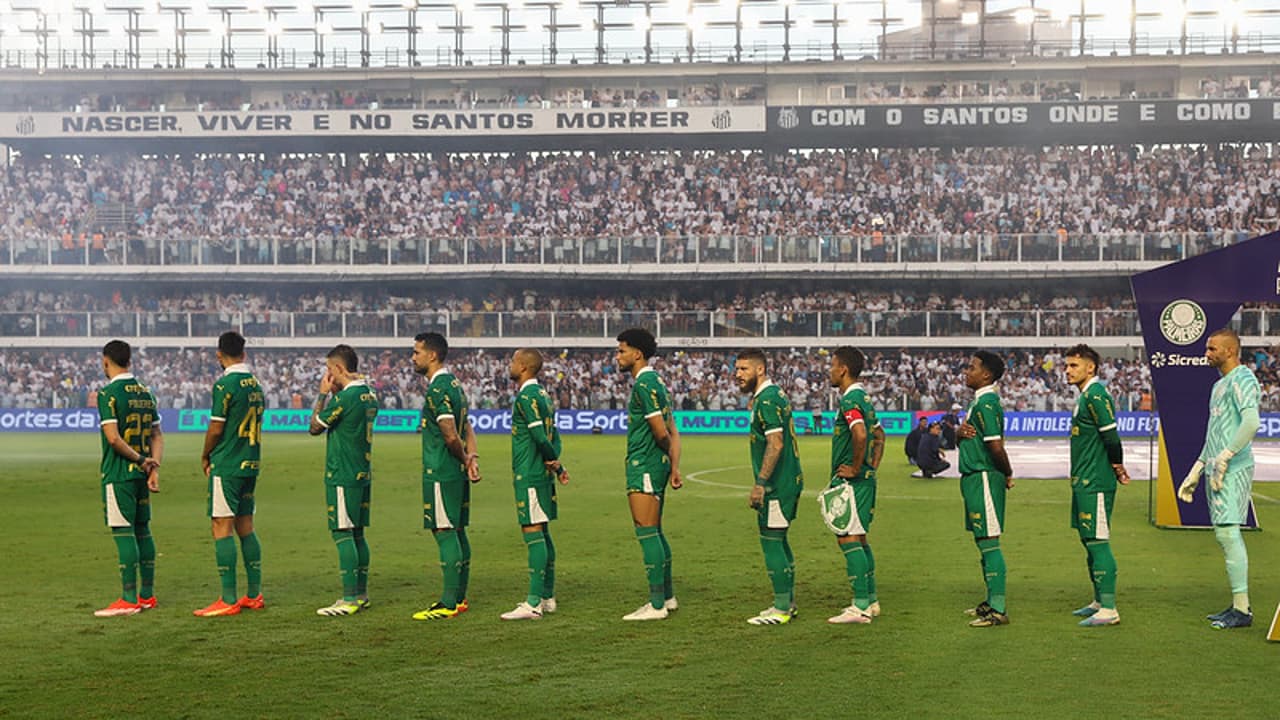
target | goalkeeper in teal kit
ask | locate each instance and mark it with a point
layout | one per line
(1227, 460)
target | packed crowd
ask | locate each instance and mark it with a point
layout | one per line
(733, 308)
(588, 379)
(1002, 90)
(956, 195)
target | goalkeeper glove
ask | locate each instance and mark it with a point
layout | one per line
(1192, 481)
(1220, 469)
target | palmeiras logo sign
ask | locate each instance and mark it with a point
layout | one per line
(26, 125)
(722, 120)
(788, 118)
(1182, 322)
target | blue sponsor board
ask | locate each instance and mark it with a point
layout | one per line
(581, 422)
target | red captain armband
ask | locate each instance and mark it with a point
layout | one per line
(852, 416)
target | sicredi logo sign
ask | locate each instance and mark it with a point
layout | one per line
(1162, 360)
(1182, 322)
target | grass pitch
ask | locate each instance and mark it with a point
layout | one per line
(918, 660)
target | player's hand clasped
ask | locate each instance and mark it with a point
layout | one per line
(1188, 487)
(1122, 475)
(965, 431)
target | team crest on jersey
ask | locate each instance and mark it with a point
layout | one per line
(1182, 322)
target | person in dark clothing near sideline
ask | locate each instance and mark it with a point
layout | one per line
(929, 455)
(913, 439)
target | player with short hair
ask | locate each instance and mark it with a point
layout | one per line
(132, 448)
(231, 462)
(775, 460)
(1097, 464)
(652, 463)
(985, 477)
(535, 467)
(347, 420)
(449, 461)
(857, 445)
(1228, 456)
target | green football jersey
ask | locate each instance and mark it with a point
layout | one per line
(533, 434)
(1095, 414)
(238, 402)
(771, 413)
(1232, 394)
(855, 409)
(128, 404)
(445, 399)
(649, 398)
(987, 416)
(348, 450)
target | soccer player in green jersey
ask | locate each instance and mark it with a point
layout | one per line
(535, 467)
(231, 462)
(985, 476)
(1097, 464)
(346, 419)
(449, 461)
(132, 447)
(653, 463)
(857, 445)
(775, 460)
(1228, 456)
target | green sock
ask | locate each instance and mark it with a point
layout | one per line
(871, 574)
(347, 560)
(549, 586)
(1103, 569)
(146, 561)
(224, 550)
(994, 572)
(1093, 577)
(362, 562)
(667, 590)
(536, 543)
(651, 547)
(127, 549)
(855, 567)
(791, 568)
(251, 550)
(464, 568)
(450, 566)
(781, 569)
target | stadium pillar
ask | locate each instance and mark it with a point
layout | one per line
(648, 32)
(600, 33)
(786, 34)
(737, 32)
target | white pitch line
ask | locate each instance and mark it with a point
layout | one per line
(695, 477)
(1267, 498)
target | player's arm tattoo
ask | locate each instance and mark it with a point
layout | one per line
(317, 427)
(1000, 457)
(877, 446)
(452, 441)
(772, 453)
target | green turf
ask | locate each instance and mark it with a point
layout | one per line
(918, 660)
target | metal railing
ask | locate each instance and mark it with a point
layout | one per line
(342, 250)
(589, 324)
